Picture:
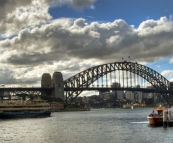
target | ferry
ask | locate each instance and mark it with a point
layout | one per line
(156, 117)
(24, 108)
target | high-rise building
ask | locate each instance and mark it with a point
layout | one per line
(101, 94)
(138, 86)
(139, 96)
(148, 95)
(120, 95)
(106, 95)
(115, 84)
(130, 95)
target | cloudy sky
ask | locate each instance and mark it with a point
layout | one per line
(43, 36)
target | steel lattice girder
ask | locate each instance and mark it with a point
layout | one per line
(88, 76)
(29, 91)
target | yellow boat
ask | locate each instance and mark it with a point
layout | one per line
(156, 117)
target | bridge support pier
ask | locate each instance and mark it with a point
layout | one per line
(58, 84)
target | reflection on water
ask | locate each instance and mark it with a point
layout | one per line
(95, 126)
(140, 122)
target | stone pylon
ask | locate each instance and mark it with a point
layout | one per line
(58, 84)
(46, 80)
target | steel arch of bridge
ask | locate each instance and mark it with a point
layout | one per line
(85, 78)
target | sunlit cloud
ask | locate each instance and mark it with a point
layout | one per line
(33, 43)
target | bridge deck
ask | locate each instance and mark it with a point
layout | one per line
(84, 89)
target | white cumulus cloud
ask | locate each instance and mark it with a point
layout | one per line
(18, 14)
(168, 74)
(40, 44)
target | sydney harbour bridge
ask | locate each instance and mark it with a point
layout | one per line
(128, 76)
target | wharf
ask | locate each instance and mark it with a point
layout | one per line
(170, 123)
(168, 118)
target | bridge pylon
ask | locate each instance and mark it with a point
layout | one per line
(58, 84)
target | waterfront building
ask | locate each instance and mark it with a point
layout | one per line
(138, 86)
(120, 95)
(148, 95)
(129, 95)
(56, 106)
(157, 97)
(139, 96)
(106, 96)
(101, 94)
(115, 84)
(112, 95)
(85, 99)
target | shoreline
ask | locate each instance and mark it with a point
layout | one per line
(71, 110)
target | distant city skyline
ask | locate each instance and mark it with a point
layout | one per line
(69, 36)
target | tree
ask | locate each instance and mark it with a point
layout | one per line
(148, 101)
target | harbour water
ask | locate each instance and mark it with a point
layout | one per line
(95, 126)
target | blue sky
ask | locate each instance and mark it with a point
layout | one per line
(43, 36)
(132, 11)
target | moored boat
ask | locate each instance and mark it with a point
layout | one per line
(156, 117)
(24, 109)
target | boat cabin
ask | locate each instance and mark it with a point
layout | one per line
(159, 110)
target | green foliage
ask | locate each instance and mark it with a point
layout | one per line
(51, 98)
(148, 101)
(76, 105)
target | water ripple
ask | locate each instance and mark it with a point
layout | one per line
(95, 126)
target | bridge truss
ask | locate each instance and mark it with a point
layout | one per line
(126, 73)
(37, 91)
